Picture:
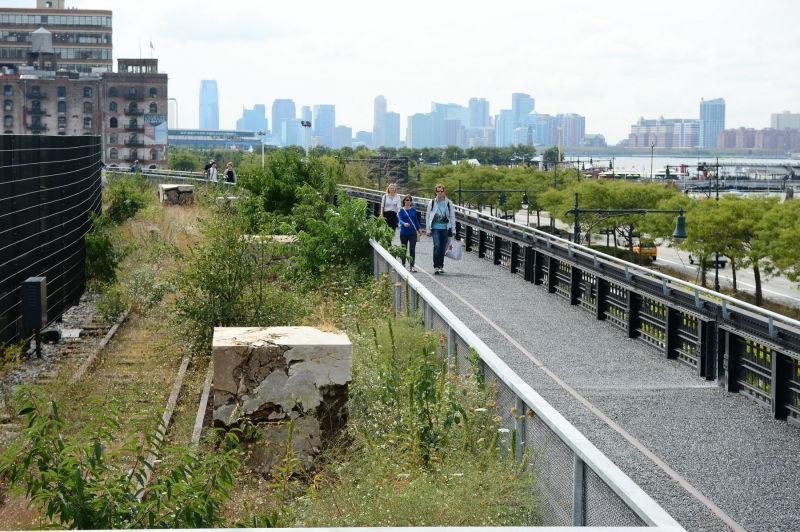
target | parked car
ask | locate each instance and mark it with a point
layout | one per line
(646, 249)
(710, 262)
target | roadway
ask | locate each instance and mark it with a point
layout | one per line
(714, 460)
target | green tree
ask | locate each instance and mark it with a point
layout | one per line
(779, 237)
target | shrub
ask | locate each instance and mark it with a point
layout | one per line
(125, 196)
(145, 288)
(91, 482)
(112, 302)
(102, 258)
(340, 239)
(285, 172)
(229, 281)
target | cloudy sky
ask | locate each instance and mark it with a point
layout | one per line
(610, 60)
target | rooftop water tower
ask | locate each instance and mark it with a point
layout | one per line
(42, 49)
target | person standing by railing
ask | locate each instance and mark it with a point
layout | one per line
(440, 221)
(230, 175)
(390, 206)
(409, 229)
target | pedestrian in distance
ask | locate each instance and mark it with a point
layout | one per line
(230, 175)
(212, 172)
(207, 168)
(390, 206)
(409, 230)
(440, 220)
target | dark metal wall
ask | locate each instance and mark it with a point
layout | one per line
(49, 185)
(743, 349)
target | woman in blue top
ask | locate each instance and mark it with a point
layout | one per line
(409, 228)
(440, 220)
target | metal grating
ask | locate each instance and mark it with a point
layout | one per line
(653, 322)
(688, 348)
(617, 303)
(588, 291)
(552, 464)
(603, 506)
(793, 399)
(564, 280)
(505, 254)
(754, 374)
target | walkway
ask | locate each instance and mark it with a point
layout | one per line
(714, 460)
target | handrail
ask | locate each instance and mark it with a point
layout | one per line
(711, 296)
(634, 496)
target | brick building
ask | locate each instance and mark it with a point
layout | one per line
(128, 108)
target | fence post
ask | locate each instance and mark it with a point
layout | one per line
(578, 494)
(481, 243)
(497, 250)
(519, 427)
(451, 344)
(398, 294)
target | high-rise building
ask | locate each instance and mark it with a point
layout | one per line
(282, 110)
(324, 124)
(479, 113)
(392, 130)
(504, 128)
(418, 131)
(364, 138)
(209, 104)
(665, 133)
(712, 121)
(379, 122)
(785, 120)
(452, 111)
(81, 37)
(572, 129)
(342, 137)
(521, 105)
(254, 119)
(307, 117)
(546, 132)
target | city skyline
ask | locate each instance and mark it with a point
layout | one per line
(612, 64)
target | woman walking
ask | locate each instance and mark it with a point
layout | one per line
(390, 206)
(230, 175)
(409, 229)
(440, 221)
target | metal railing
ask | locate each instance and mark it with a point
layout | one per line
(747, 349)
(575, 483)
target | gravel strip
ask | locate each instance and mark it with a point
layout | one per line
(726, 445)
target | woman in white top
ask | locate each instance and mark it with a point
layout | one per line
(390, 206)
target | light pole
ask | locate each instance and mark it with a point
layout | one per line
(652, 149)
(261, 135)
(679, 234)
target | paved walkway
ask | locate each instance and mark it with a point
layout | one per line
(714, 460)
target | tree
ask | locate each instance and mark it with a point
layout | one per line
(779, 236)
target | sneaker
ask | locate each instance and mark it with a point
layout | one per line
(436, 271)
(413, 269)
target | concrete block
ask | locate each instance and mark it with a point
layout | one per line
(275, 374)
(176, 194)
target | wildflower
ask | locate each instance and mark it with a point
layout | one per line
(480, 410)
(504, 431)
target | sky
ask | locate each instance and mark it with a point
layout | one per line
(612, 61)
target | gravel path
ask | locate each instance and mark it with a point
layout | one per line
(723, 444)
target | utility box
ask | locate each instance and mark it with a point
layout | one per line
(34, 303)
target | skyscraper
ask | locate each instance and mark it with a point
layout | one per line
(379, 122)
(712, 121)
(572, 129)
(254, 119)
(521, 105)
(209, 104)
(452, 111)
(342, 137)
(282, 110)
(504, 131)
(478, 112)
(392, 139)
(306, 116)
(418, 131)
(324, 124)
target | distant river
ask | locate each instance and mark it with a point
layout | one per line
(642, 163)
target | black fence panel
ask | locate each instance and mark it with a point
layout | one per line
(49, 186)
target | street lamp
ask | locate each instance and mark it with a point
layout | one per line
(703, 167)
(679, 234)
(261, 135)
